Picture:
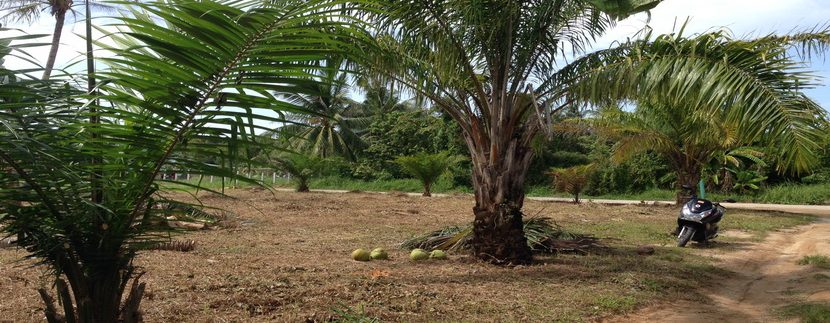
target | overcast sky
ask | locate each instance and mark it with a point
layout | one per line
(741, 17)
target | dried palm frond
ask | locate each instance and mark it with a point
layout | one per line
(183, 246)
(542, 234)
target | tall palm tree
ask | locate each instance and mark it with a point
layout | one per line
(496, 67)
(170, 102)
(333, 127)
(382, 99)
(28, 11)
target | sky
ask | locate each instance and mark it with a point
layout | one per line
(744, 18)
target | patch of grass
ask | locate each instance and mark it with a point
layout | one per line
(810, 194)
(615, 303)
(817, 194)
(759, 224)
(819, 261)
(807, 312)
(821, 276)
(345, 314)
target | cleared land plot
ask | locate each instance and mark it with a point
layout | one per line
(286, 257)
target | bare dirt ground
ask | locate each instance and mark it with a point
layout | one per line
(767, 277)
(285, 257)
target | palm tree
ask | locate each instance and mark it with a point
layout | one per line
(689, 139)
(29, 11)
(572, 179)
(333, 127)
(756, 99)
(494, 67)
(381, 99)
(170, 102)
(427, 167)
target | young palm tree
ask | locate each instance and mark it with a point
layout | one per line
(427, 167)
(168, 100)
(690, 120)
(688, 139)
(494, 67)
(572, 179)
(301, 168)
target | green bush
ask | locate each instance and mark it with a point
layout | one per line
(403, 134)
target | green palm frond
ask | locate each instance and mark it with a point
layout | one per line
(333, 121)
(187, 94)
(427, 168)
(542, 235)
(752, 84)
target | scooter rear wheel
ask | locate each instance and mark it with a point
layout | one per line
(686, 234)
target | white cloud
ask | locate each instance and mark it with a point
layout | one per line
(742, 17)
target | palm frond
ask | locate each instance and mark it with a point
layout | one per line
(753, 84)
(542, 234)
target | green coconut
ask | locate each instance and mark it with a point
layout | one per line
(379, 254)
(361, 255)
(418, 254)
(438, 254)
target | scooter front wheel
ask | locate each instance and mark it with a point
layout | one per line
(686, 234)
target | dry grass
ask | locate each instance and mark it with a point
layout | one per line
(287, 258)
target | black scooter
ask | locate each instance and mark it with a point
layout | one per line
(698, 220)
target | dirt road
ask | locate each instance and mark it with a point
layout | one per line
(766, 277)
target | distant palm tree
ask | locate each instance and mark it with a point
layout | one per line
(332, 128)
(29, 11)
(427, 168)
(381, 99)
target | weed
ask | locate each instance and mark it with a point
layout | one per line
(616, 304)
(807, 312)
(345, 314)
(821, 276)
(819, 261)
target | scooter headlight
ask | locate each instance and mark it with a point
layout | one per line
(689, 215)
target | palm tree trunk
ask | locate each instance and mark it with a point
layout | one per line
(302, 185)
(499, 172)
(427, 190)
(60, 18)
(688, 175)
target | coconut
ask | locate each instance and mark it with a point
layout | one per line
(438, 254)
(418, 254)
(361, 255)
(379, 254)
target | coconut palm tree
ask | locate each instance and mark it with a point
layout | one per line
(28, 11)
(497, 67)
(170, 102)
(333, 128)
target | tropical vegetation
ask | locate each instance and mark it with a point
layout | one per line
(83, 193)
(213, 87)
